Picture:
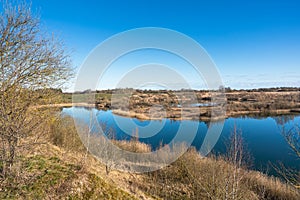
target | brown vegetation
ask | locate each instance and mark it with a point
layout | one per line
(190, 104)
(65, 170)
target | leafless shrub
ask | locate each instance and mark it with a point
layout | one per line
(30, 63)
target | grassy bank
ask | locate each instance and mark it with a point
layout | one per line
(62, 169)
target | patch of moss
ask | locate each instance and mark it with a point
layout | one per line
(52, 178)
(97, 188)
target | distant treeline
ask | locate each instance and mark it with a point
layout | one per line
(226, 89)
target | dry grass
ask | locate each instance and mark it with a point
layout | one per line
(133, 146)
(193, 177)
(75, 174)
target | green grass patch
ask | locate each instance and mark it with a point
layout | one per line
(42, 177)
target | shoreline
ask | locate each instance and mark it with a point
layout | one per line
(142, 116)
(58, 105)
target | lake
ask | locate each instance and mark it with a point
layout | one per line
(262, 135)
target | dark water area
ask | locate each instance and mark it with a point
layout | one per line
(262, 136)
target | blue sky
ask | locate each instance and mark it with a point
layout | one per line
(253, 43)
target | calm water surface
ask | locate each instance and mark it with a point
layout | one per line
(262, 136)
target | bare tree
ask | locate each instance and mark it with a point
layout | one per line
(236, 157)
(30, 64)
